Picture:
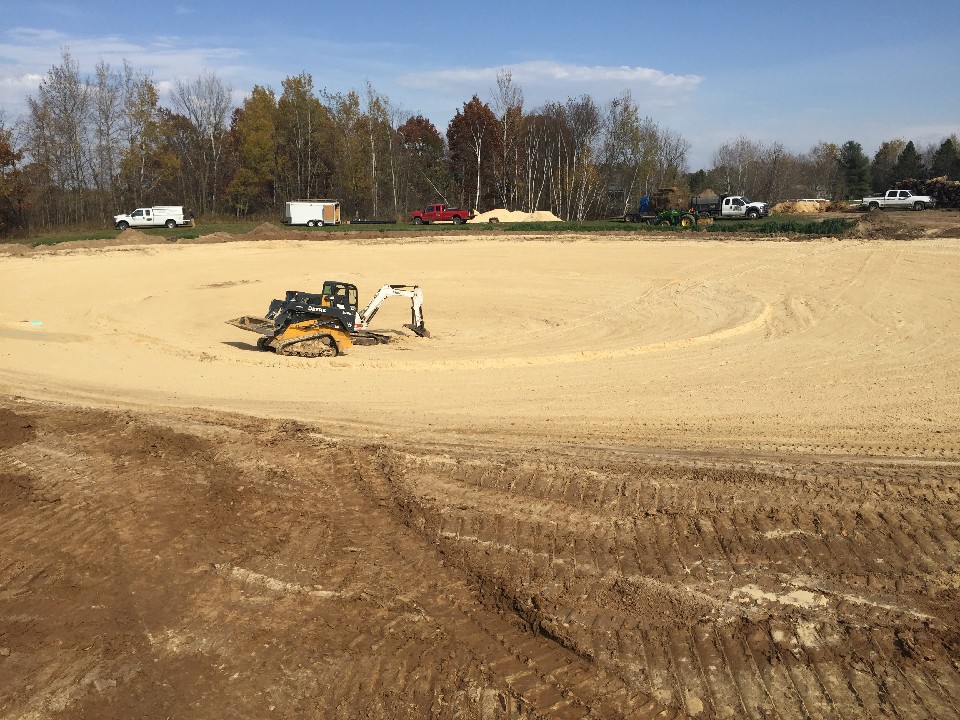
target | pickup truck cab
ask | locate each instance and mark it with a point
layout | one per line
(902, 199)
(440, 213)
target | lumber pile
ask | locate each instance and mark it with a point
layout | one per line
(945, 192)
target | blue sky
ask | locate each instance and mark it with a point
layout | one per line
(789, 72)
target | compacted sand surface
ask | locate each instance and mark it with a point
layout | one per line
(671, 477)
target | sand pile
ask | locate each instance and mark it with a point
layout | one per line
(504, 215)
(134, 236)
(268, 230)
(799, 207)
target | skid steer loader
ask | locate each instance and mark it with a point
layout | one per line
(326, 324)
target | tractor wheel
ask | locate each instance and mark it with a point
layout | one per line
(688, 220)
(664, 223)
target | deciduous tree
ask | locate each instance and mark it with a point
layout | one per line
(254, 130)
(205, 103)
(881, 169)
(475, 146)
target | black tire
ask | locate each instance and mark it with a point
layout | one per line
(457, 220)
(874, 206)
(752, 214)
(171, 223)
(688, 220)
(123, 224)
(664, 223)
(418, 221)
(919, 206)
(320, 222)
(311, 223)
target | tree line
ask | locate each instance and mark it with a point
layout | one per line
(93, 145)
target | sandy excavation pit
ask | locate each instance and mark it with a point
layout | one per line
(637, 479)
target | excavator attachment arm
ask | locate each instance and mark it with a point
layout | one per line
(416, 307)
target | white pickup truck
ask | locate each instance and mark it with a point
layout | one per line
(901, 199)
(158, 216)
(729, 206)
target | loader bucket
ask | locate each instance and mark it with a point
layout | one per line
(254, 324)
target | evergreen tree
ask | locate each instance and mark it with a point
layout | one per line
(909, 165)
(946, 160)
(697, 181)
(855, 168)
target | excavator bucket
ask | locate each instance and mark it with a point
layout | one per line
(418, 330)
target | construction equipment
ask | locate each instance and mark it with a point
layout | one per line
(326, 324)
(660, 209)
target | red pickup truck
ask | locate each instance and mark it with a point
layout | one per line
(440, 213)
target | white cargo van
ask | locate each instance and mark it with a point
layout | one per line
(312, 213)
(157, 216)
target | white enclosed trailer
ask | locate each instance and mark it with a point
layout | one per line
(312, 213)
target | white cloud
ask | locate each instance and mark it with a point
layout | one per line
(546, 80)
(27, 54)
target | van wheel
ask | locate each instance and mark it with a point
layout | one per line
(171, 223)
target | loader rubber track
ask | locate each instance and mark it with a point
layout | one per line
(320, 345)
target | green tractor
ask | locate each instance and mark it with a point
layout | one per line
(685, 218)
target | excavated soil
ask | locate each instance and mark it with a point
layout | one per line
(683, 478)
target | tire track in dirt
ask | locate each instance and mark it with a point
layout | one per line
(804, 553)
(228, 562)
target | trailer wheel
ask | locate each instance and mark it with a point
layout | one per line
(171, 223)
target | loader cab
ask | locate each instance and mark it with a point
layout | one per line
(341, 294)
